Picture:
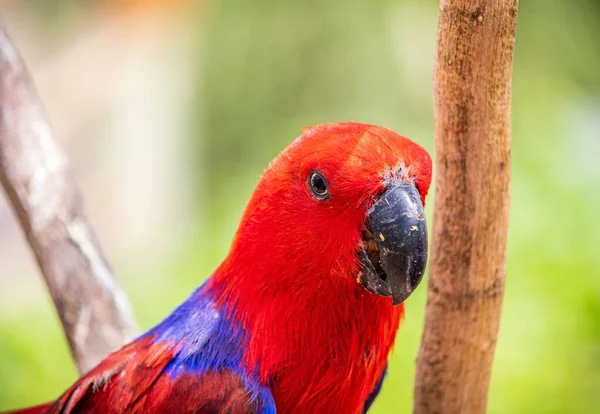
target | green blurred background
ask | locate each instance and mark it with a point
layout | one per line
(170, 111)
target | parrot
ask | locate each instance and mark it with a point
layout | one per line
(302, 314)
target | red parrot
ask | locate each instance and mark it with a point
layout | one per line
(301, 315)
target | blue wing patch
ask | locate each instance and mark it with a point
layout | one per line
(375, 391)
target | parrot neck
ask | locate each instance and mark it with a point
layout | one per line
(308, 332)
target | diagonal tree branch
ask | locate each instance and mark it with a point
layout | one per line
(472, 86)
(35, 173)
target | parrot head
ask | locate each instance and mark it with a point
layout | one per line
(341, 206)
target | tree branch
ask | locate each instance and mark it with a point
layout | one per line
(94, 310)
(467, 270)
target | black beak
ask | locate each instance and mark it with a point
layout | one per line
(395, 244)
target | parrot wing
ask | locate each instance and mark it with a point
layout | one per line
(190, 363)
(375, 391)
(143, 377)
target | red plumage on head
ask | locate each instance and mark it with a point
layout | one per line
(291, 274)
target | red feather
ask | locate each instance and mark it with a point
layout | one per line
(309, 333)
(319, 333)
(134, 380)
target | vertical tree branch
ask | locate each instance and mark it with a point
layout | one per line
(94, 311)
(473, 67)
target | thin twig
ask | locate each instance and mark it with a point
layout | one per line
(35, 173)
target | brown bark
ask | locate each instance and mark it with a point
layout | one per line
(473, 65)
(94, 310)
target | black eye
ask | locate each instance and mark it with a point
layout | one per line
(318, 185)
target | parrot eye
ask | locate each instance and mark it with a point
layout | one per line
(318, 185)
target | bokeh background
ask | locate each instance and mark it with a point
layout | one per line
(170, 111)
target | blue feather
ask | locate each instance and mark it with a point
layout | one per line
(205, 339)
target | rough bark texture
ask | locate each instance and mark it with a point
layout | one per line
(94, 311)
(473, 67)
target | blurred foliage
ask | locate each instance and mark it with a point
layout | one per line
(271, 67)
